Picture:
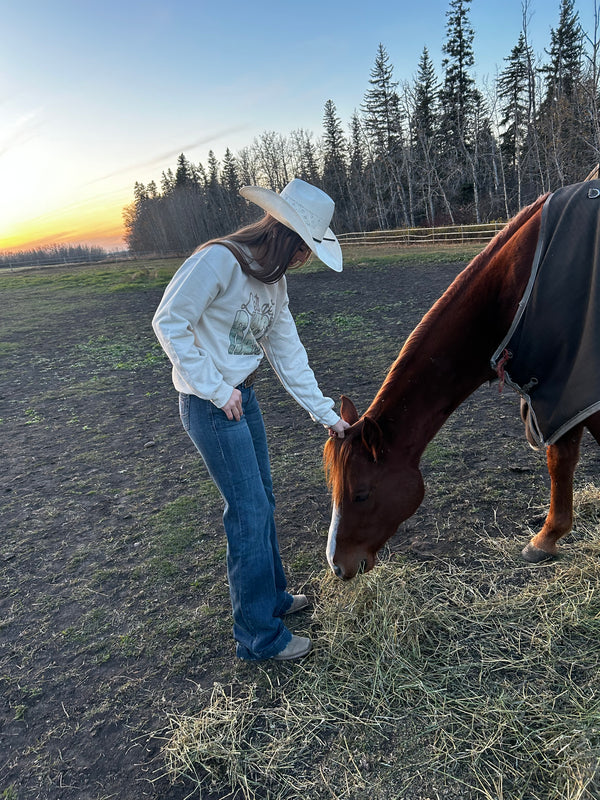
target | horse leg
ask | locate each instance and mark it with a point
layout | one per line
(562, 458)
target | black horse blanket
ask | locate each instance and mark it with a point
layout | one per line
(551, 351)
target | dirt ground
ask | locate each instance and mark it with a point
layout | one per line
(113, 595)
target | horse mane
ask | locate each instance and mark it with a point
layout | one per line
(478, 263)
(336, 452)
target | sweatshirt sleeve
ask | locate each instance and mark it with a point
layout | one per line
(289, 359)
(191, 290)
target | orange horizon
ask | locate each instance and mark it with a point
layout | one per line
(109, 240)
(90, 224)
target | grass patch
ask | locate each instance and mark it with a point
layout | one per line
(180, 531)
(480, 681)
(142, 274)
(440, 452)
(93, 277)
(349, 322)
(304, 319)
(386, 255)
(107, 352)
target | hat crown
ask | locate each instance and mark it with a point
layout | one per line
(305, 209)
(313, 206)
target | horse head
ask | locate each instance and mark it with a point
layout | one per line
(374, 489)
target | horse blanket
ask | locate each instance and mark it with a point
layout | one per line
(551, 352)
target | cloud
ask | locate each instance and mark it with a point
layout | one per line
(160, 160)
(19, 131)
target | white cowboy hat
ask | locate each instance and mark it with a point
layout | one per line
(305, 209)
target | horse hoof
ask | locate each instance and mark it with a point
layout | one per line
(534, 555)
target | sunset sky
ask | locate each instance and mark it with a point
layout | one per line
(97, 95)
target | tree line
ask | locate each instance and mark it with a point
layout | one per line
(431, 151)
(54, 254)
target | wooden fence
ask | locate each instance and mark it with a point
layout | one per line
(451, 234)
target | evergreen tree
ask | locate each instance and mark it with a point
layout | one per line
(358, 188)
(563, 72)
(145, 222)
(516, 93)
(167, 182)
(381, 107)
(334, 142)
(424, 128)
(231, 189)
(183, 174)
(426, 100)
(561, 123)
(513, 90)
(335, 178)
(139, 193)
(213, 171)
(217, 216)
(462, 106)
(383, 126)
(356, 148)
(458, 94)
(229, 175)
(202, 178)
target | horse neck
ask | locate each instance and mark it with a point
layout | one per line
(447, 357)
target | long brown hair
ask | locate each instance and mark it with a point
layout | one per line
(273, 246)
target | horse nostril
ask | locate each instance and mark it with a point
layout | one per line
(337, 570)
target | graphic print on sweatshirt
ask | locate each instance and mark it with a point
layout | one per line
(250, 324)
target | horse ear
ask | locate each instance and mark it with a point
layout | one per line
(372, 437)
(348, 411)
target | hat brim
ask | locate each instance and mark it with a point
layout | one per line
(328, 250)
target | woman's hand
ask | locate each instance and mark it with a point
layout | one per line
(233, 407)
(338, 430)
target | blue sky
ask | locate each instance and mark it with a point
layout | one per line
(96, 95)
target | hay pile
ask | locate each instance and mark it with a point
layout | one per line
(428, 681)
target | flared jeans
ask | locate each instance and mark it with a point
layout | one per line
(237, 458)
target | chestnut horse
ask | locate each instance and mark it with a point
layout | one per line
(373, 473)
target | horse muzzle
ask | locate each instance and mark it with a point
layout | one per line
(338, 563)
(339, 571)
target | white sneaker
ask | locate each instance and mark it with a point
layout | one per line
(297, 647)
(299, 601)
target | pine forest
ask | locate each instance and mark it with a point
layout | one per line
(435, 150)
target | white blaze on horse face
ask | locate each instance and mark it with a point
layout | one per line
(331, 541)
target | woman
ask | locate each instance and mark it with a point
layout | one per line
(225, 308)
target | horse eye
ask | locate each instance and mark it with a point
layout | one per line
(361, 497)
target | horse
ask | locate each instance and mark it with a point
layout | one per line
(373, 472)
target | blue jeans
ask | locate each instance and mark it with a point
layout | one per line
(237, 458)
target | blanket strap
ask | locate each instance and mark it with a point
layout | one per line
(506, 356)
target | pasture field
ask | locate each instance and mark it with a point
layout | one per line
(453, 671)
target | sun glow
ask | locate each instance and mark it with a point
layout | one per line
(47, 198)
(89, 223)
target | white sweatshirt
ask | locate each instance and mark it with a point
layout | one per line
(215, 323)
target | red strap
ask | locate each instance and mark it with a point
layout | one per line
(506, 356)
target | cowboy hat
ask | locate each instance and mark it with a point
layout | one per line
(305, 209)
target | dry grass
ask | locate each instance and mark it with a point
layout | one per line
(427, 681)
